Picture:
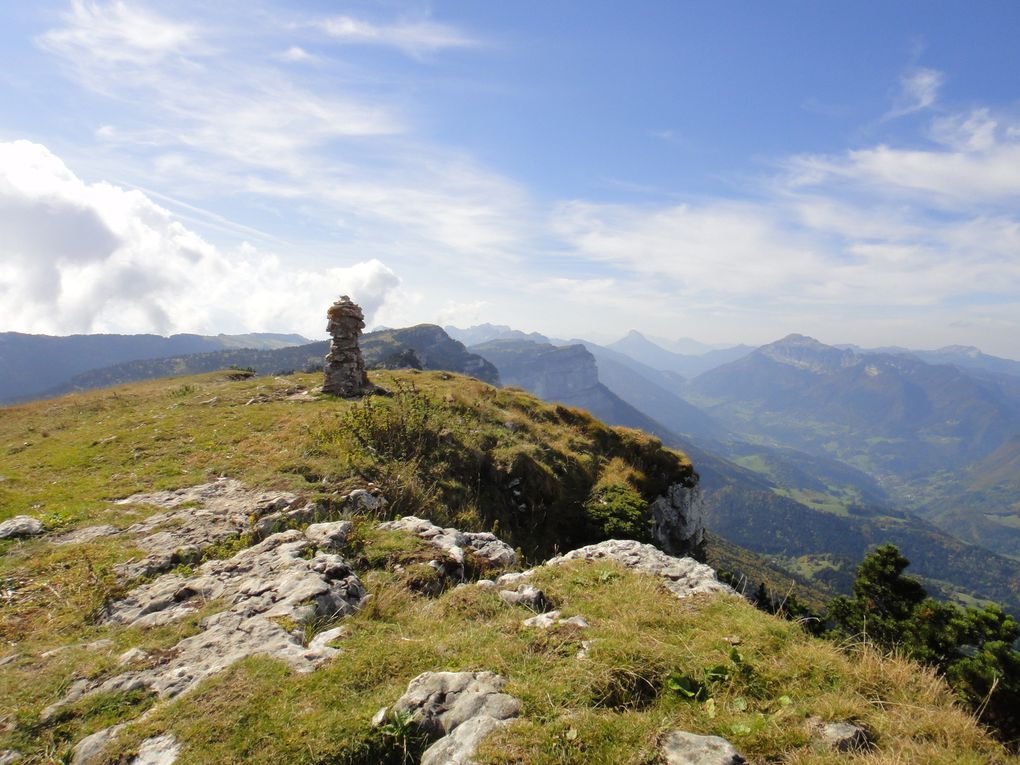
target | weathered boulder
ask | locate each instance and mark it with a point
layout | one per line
(483, 545)
(329, 536)
(681, 576)
(345, 368)
(525, 595)
(841, 737)
(458, 709)
(682, 748)
(20, 526)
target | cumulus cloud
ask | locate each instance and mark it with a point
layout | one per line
(94, 257)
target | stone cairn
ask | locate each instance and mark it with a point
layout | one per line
(345, 368)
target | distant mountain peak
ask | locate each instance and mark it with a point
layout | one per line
(795, 338)
(970, 351)
(805, 352)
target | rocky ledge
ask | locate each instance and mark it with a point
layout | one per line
(270, 598)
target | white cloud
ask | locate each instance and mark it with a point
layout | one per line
(96, 257)
(294, 54)
(120, 34)
(201, 98)
(919, 89)
(969, 132)
(224, 125)
(976, 165)
(413, 38)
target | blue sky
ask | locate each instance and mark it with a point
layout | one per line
(725, 171)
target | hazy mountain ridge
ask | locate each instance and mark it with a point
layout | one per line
(640, 348)
(430, 344)
(816, 487)
(32, 365)
(930, 415)
(835, 509)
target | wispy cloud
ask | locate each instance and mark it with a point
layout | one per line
(977, 166)
(119, 33)
(919, 89)
(294, 54)
(413, 38)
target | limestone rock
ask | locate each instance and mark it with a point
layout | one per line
(553, 619)
(459, 708)
(86, 534)
(682, 748)
(345, 368)
(842, 737)
(525, 595)
(679, 520)
(329, 536)
(20, 526)
(270, 587)
(89, 751)
(454, 543)
(196, 517)
(161, 750)
(682, 576)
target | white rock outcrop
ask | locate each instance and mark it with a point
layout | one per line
(681, 576)
(459, 709)
(682, 748)
(20, 526)
(454, 544)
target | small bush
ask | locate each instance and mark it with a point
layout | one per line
(618, 512)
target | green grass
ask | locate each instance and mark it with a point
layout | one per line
(461, 448)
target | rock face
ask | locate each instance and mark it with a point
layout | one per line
(345, 369)
(20, 526)
(460, 708)
(424, 346)
(682, 576)
(550, 372)
(679, 518)
(681, 748)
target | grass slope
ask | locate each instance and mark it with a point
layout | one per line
(454, 458)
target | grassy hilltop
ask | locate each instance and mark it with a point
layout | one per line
(544, 478)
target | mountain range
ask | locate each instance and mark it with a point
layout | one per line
(808, 453)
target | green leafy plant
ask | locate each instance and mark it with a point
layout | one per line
(404, 735)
